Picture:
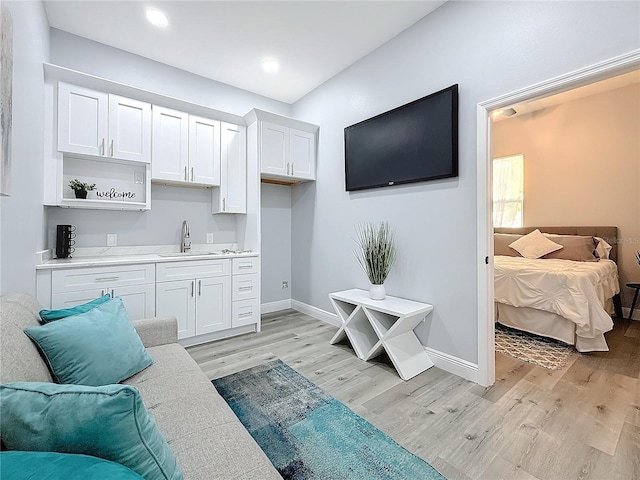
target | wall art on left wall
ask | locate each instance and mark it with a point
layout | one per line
(6, 87)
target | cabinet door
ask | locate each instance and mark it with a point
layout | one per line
(274, 149)
(83, 117)
(129, 129)
(170, 152)
(178, 299)
(213, 304)
(303, 154)
(138, 300)
(233, 170)
(204, 151)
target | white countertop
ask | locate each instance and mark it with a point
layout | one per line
(96, 257)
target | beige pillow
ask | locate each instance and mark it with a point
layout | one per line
(501, 242)
(534, 245)
(579, 248)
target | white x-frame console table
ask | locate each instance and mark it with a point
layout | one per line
(374, 325)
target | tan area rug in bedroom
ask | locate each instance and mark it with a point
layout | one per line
(544, 352)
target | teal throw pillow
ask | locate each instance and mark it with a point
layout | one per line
(54, 466)
(109, 422)
(47, 316)
(99, 347)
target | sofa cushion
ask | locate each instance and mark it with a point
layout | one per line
(47, 316)
(19, 357)
(98, 347)
(109, 422)
(202, 430)
(18, 465)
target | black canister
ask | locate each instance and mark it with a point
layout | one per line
(65, 235)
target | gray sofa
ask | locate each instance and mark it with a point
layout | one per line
(206, 437)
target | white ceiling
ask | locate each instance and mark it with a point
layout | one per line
(227, 40)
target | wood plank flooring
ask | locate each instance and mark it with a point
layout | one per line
(581, 422)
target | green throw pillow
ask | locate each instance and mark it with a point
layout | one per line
(54, 466)
(47, 316)
(99, 347)
(109, 422)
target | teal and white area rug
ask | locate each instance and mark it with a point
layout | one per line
(309, 435)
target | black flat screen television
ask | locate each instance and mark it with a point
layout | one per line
(411, 143)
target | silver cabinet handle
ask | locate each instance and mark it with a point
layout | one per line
(248, 314)
(242, 289)
(192, 174)
(224, 204)
(112, 294)
(185, 173)
(193, 286)
(102, 293)
(292, 168)
(199, 288)
(112, 147)
(288, 168)
(245, 266)
(106, 279)
(102, 147)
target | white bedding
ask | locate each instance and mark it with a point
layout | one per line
(577, 291)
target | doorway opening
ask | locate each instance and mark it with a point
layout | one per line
(486, 110)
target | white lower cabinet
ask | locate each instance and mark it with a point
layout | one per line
(202, 303)
(134, 284)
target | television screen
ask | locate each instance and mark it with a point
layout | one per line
(412, 143)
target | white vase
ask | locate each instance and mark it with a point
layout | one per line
(376, 292)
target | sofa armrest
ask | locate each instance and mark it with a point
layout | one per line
(157, 330)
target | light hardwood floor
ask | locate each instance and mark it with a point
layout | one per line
(581, 422)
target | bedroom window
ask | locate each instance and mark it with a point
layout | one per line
(508, 191)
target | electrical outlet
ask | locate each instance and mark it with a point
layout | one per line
(285, 284)
(209, 237)
(112, 240)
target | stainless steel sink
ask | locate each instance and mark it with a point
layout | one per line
(188, 254)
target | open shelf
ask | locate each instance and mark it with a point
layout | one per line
(343, 309)
(362, 336)
(380, 321)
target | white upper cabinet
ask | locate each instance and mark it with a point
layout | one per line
(274, 146)
(83, 120)
(204, 151)
(129, 129)
(186, 148)
(103, 125)
(170, 157)
(286, 148)
(303, 154)
(231, 197)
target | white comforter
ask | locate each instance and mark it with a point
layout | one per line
(576, 291)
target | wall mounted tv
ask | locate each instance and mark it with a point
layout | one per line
(412, 143)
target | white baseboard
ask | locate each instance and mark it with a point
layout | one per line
(455, 365)
(444, 361)
(317, 313)
(636, 312)
(275, 306)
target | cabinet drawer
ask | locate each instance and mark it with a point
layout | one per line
(169, 271)
(245, 265)
(77, 279)
(245, 286)
(245, 312)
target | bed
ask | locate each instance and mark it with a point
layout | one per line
(564, 299)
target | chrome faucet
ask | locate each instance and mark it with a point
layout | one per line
(185, 241)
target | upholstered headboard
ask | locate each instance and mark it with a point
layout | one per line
(609, 234)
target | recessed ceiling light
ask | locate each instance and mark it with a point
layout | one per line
(270, 65)
(157, 17)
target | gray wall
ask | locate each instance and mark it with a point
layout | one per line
(21, 215)
(488, 48)
(169, 205)
(276, 242)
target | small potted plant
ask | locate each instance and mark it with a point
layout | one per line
(81, 188)
(376, 255)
